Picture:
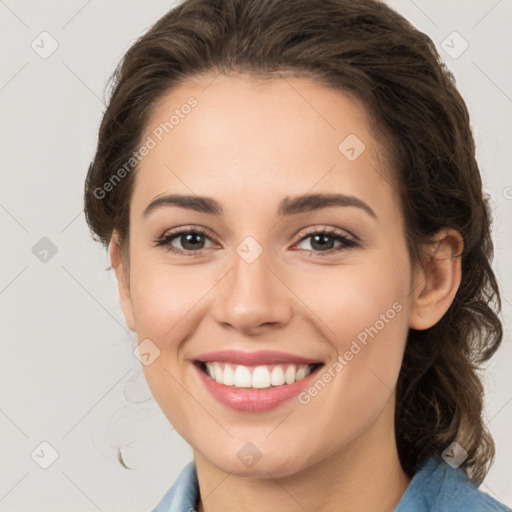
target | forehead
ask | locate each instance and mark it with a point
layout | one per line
(244, 137)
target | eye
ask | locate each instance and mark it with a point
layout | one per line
(322, 241)
(192, 241)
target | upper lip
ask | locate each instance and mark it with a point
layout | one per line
(254, 358)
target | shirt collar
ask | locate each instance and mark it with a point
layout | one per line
(435, 477)
(183, 494)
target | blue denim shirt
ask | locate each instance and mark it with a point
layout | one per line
(436, 487)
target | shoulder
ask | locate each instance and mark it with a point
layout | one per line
(437, 487)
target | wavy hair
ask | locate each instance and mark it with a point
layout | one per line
(365, 49)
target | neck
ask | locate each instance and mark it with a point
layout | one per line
(366, 475)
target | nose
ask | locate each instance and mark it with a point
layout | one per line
(253, 298)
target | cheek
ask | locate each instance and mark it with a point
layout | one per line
(364, 318)
(362, 311)
(166, 302)
(164, 298)
(354, 301)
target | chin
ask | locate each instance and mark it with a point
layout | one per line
(250, 461)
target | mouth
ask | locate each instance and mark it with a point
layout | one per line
(256, 377)
(254, 381)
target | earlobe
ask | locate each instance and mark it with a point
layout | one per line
(123, 281)
(435, 286)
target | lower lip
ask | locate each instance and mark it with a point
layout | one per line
(254, 400)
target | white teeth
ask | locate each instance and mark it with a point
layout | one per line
(289, 375)
(229, 376)
(258, 377)
(242, 377)
(300, 373)
(218, 374)
(277, 376)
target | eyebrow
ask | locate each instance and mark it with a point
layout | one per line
(288, 206)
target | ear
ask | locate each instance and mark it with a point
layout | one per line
(123, 280)
(435, 285)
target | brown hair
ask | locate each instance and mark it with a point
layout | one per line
(366, 49)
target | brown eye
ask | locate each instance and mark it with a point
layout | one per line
(192, 241)
(322, 242)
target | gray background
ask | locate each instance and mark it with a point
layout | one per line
(68, 375)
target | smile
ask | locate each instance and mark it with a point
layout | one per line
(254, 382)
(257, 377)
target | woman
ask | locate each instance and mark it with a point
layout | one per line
(291, 202)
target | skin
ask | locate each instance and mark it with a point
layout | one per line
(248, 144)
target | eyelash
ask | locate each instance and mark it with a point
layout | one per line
(330, 232)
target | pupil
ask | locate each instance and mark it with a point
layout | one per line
(189, 239)
(322, 245)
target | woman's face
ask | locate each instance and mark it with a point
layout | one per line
(260, 277)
